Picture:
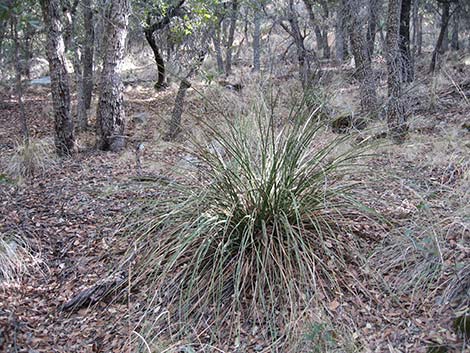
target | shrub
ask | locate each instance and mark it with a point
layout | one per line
(264, 230)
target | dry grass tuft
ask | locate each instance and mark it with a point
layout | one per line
(30, 159)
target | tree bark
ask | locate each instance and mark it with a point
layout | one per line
(110, 115)
(396, 117)
(404, 42)
(65, 138)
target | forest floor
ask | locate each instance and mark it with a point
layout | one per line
(69, 214)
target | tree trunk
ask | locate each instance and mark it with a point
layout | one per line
(302, 54)
(64, 139)
(28, 53)
(419, 40)
(341, 47)
(158, 59)
(438, 49)
(372, 26)
(396, 117)
(231, 37)
(362, 59)
(77, 67)
(454, 43)
(174, 125)
(19, 88)
(218, 50)
(404, 42)
(110, 115)
(325, 29)
(415, 21)
(88, 46)
(256, 39)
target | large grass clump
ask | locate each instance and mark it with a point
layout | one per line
(31, 158)
(263, 233)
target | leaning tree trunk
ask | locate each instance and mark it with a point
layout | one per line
(88, 46)
(64, 139)
(174, 125)
(396, 117)
(404, 42)
(110, 115)
(438, 51)
(149, 35)
(231, 37)
(362, 59)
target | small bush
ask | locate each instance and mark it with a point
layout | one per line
(262, 233)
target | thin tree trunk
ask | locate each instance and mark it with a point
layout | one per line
(110, 115)
(65, 138)
(438, 50)
(28, 53)
(77, 61)
(218, 50)
(231, 37)
(19, 88)
(396, 117)
(454, 44)
(404, 42)
(325, 29)
(419, 40)
(372, 26)
(415, 21)
(149, 35)
(302, 54)
(256, 39)
(88, 53)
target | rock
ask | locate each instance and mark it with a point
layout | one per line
(42, 81)
(140, 118)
